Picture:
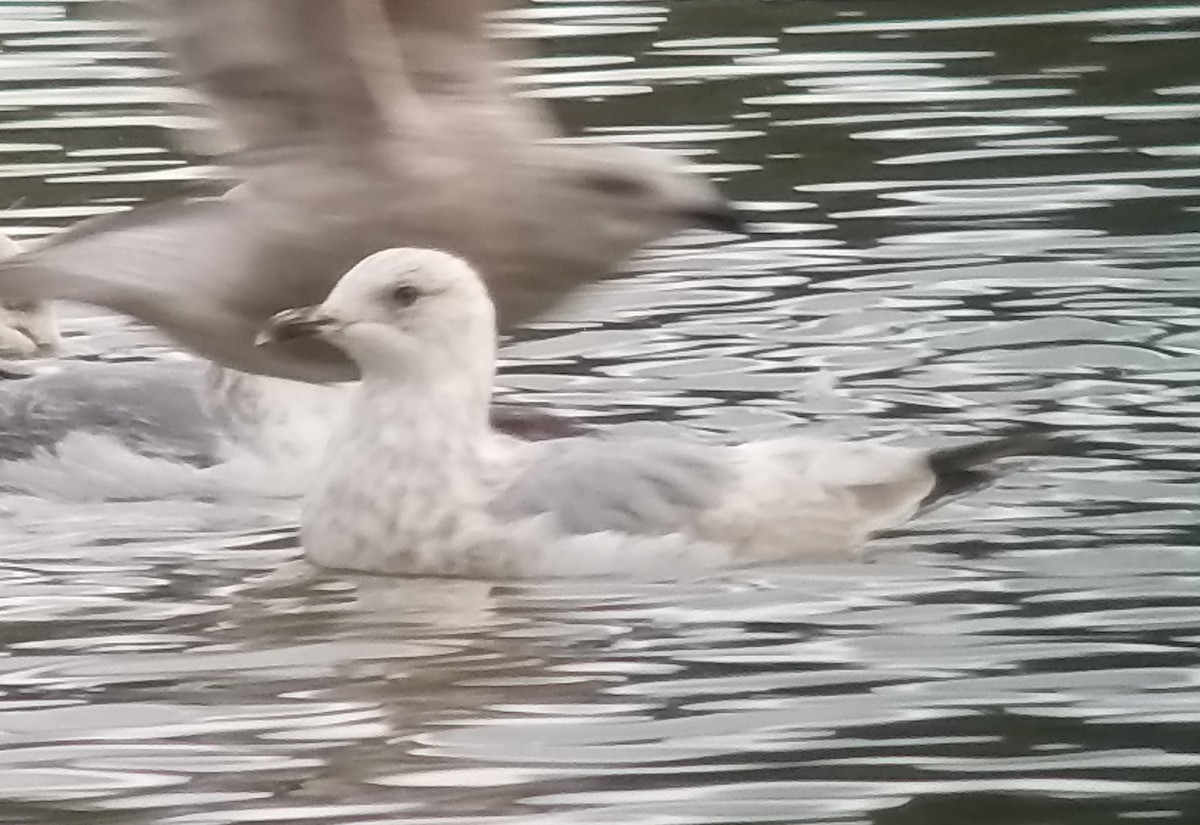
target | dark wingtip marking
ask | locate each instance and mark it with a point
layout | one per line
(532, 424)
(964, 468)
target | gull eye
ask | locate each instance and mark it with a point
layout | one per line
(405, 295)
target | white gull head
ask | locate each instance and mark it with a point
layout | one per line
(403, 315)
(406, 476)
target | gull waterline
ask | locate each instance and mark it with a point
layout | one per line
(416, 480)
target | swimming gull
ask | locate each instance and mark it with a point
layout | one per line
(358, 125)
(416, 481)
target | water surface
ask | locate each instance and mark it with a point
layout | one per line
(959, 222)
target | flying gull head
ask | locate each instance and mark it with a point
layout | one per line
(585, 211)
(645, 193)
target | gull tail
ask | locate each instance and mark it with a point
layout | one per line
(968, 467)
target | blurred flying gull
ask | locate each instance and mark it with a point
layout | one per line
(353, 126)
(416, 481)
(181, 409)
(359, 125)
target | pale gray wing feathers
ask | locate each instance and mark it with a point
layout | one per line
(459, 74)
(128, 261)
(281, 73)
(152, 407)
(448, 41)
(206, 271)
(642, 486)
(347, 77)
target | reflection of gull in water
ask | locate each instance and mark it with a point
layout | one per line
(359, 126)
(415, 480)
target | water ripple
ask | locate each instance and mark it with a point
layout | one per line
(959, 223)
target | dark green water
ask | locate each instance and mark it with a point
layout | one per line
(958, 222)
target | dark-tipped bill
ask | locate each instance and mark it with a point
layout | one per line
(292, 324)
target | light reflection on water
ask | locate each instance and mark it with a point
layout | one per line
(959, 222)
